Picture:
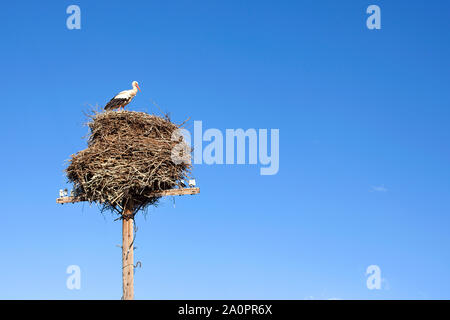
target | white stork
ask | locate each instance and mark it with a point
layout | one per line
(123, 98)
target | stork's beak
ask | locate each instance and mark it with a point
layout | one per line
(138, 87)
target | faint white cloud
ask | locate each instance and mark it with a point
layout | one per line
(321, 298)
(324, 295)
(381, 188)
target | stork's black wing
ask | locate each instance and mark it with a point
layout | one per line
(115, 103)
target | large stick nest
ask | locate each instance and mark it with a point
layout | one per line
(128, 157)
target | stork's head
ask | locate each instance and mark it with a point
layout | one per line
(136, 85)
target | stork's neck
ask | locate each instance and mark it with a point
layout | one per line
(135, 89)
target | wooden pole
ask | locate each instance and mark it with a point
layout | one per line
(127, 253)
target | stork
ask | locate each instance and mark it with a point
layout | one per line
(123, 98)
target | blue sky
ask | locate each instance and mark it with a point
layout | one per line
(364, 147)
